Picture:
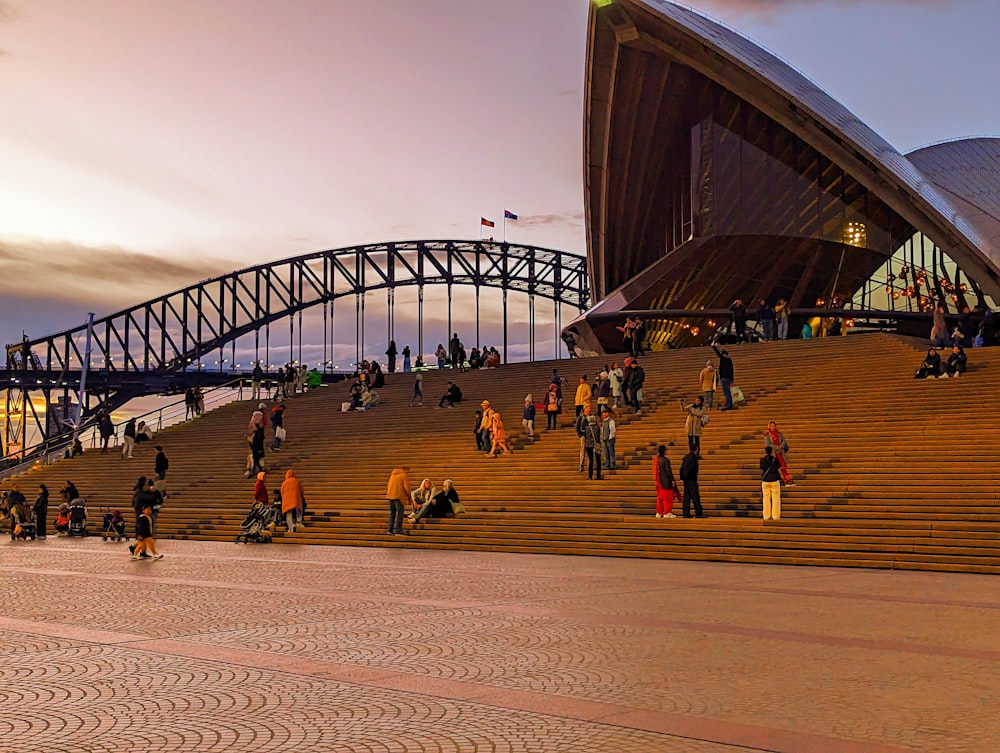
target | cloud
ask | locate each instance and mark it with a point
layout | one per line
(768, 8)
(112, 276)
(563, 219)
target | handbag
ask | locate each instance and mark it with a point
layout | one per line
(704, 420)
(280, 433)
(737, 393)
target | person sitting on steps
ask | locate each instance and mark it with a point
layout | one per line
(957, 361)
(421, 499)
(451, 396)
(930, 367)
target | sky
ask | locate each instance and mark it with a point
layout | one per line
(147, 145)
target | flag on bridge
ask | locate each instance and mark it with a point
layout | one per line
(487, 223)
(509, 215)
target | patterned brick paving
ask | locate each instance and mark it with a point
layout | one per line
(280, 648)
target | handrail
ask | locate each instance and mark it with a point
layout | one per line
(54, 448)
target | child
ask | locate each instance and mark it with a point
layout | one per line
(62, 520)
(144, 536)
(418, 390)
(117, 522)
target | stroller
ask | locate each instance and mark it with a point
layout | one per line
(114, 527)
(258, 526)
(77, 517)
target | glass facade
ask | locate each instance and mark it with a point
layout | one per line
(915, 277)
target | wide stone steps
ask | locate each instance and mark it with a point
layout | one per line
(889, 469)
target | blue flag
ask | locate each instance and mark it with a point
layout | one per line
(509, 215)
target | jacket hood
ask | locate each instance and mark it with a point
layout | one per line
(290, 473)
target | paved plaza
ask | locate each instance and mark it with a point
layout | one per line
(223, 647)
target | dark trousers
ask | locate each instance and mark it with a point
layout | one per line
(593, 462)
(633, 397)
(395, 516)
(553, 418)
(691, 494)
(727, 390)
(40, 517)
(694, 444)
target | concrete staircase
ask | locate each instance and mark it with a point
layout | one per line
(891, 472)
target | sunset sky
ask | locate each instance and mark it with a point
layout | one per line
(146, 144)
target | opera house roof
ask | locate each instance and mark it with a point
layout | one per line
(705, 151)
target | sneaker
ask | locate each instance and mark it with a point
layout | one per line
(145, 556)
(790, 484)
(658, 515)
(390, 533)
(669, 515)
(157, 556)
(131, 548)
(136, 556)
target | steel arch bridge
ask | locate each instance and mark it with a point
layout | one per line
(150, 347)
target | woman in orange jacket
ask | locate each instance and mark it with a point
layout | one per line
(292, 501)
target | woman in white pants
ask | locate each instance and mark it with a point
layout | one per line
(770, 484)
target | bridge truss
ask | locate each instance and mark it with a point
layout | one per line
(153, 347)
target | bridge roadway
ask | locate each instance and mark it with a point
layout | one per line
(224, 647)
(132, 383)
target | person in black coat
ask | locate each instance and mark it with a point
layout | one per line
(726, 375)
(277, 422)
(445, 503)
(689, 475)
(161, 464)
(451, 396)
(145, 544)
(957, 361)
(257, 450)
(41, 510)
(739, 310)
(129, 439)
(930, 366)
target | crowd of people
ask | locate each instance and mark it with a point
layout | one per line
(454, 356)
(616, 388)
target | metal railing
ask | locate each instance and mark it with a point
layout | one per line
(55, 448)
